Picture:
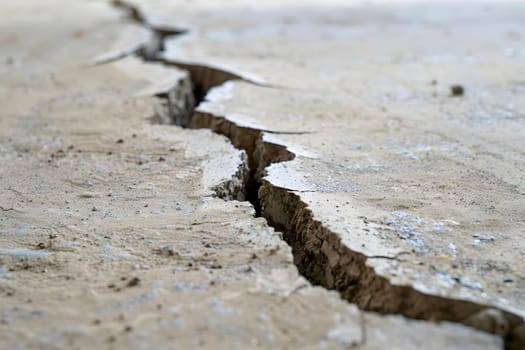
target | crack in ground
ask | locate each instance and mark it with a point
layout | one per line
(318, 253)
(324, 260)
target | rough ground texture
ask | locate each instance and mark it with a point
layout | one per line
(118, 232)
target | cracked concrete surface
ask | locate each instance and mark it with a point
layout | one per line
(392, 163)
(401, 197)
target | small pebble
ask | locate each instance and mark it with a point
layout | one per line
(135, 281)
(457, 90)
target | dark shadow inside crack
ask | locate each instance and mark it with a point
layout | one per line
(252, 195)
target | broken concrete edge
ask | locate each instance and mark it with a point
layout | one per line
(136, 15)
(147, 48)
(234, 188)
(152, 48)
(322, 258)
(176, 94)
(318, 252)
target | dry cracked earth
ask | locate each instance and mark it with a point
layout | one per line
(281, 174)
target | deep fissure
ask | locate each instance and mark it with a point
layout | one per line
(351, 277)
(285, 212)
